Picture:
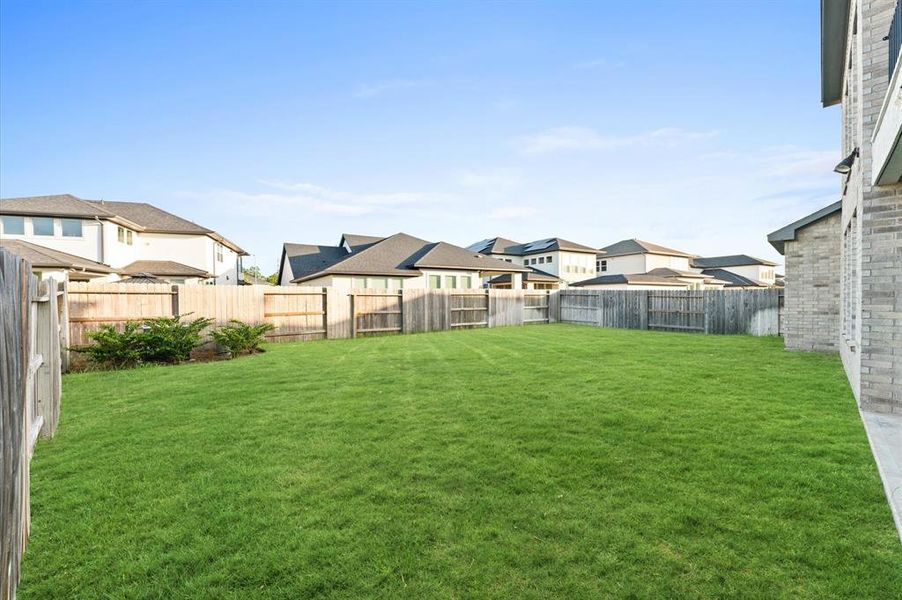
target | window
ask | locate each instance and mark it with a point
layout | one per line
(358, 282)
(218, 252)
(466, 282)
(71, 227)
(177, 281)
(380, 283)
(450, 282)
(548, 259)
(120, 234)
(541, 260)
(42, 225)
(128, 237)
(603, 266)
(435, 282)
(13, 225)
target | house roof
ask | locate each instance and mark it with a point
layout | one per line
(141, 278)
(497, 245)
(357, 242)
(733, 279)
(834, 35)
(789, 232)
(733, 260)
(668, 272)
(504, 246)
(534, 275)
(634, 246)
(137, 215)
(630, 279)
(164, 268)
(43, 257)
(399, 255)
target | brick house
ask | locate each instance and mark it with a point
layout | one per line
(811, 248)
(860, 69)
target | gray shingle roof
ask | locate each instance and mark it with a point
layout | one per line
(632, 279)
(504, 246)
(165, 268)
(41, 256)
(789, 232)
(668, 272)
(142, 216)
(733, 279)
(533, 275)
(357, 242)
(497, 245)
(399, 255)
(141, 278)
(634, 246)
(733, 260)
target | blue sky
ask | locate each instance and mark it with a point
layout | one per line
(693, 125)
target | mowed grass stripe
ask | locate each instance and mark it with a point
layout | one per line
(537, 461)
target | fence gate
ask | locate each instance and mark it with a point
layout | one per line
(376, 312)
(536, 307)
(469, 309)
(678, 310)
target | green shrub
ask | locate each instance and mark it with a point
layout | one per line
(241, 338)
(113, 348)
(171, 340)
(162, 340)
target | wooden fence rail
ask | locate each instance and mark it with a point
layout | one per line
(33, 328)
(751, 312)
(308, 313)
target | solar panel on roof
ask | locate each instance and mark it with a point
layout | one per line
(538, 245)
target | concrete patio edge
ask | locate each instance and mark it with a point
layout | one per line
(884, 432)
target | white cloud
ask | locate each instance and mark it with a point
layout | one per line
(585, 138)
(372, 90)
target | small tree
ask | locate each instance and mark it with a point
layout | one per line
(241, 338)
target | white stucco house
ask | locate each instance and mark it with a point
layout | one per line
(552, 262)
(399, 261)
(636, 264)
(117, 239)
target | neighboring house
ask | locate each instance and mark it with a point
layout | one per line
(128, 237)
(555, 262)
(757, 270)
(394, 262)
(49, 263)
(811, 247)
(861, 69)
(635, 256)
(631, 281)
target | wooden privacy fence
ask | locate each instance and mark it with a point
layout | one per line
(752, 312)
(32, 356)
(306, 313)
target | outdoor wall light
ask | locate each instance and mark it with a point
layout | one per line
(845, 165)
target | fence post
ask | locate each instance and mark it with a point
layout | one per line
(63, 319)
(175, 300)
(353, 317)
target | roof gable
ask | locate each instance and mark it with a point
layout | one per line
(732, 260)
(789, 232)
(634, 246)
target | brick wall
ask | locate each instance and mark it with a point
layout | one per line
(873, 353)
(811, 301)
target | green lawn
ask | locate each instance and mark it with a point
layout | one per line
(547, 462)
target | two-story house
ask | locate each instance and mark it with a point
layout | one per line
(552, 262)
(126, 237)
(399, 261)
(636, 264)
(861, 70)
